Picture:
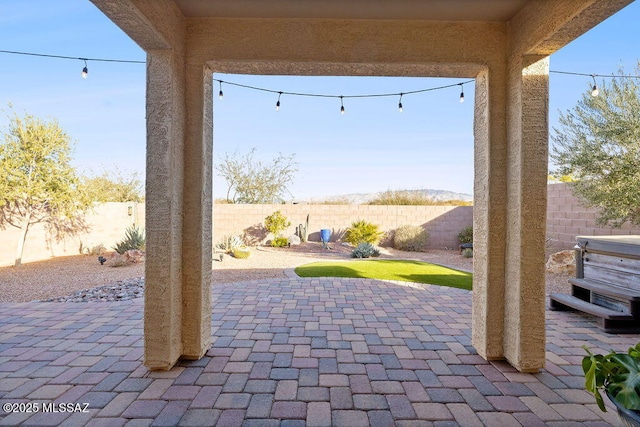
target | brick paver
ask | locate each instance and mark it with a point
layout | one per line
(318, 352)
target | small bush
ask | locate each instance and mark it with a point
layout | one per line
(413, 198)
(276, 223)
(241, 252)
(133, 239)
(467, 253)
(280, 242)
(466, 235)
(402, 198)
(410, 238)
(229, 243)
(363, 232)
(365, 250)
(96, 250)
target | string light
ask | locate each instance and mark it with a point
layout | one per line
(85, 70)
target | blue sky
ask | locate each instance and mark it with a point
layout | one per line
(372, 147)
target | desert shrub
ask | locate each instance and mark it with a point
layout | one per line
(229, 243)
(133, 239)
(363, 232)
(402, 197)
(466, 235)
(241, 252)
(96, 250)
(410, 238)
(387, 238)
(412, 198)
(276, 223)
(365, 250)
(467, 252)
(280, 242)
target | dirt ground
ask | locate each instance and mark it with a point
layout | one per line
(64, 275)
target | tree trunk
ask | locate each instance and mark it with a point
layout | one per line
(23, 236)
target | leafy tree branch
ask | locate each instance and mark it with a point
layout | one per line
(598, 145)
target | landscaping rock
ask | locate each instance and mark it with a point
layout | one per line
(134, 256)
(562, 262)
(120, 291)
(294, 240)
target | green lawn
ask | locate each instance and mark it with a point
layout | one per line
(409, 271)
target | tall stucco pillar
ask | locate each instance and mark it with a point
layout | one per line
(197, 216)
(164, 209)
(179, 210)
(527, 119)
(511, 154)
(489, 213)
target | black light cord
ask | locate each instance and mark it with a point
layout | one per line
(315, 95)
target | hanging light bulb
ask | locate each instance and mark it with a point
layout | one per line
(341, 105)
(400, 103)
(220, 94)
(278, 103)
(85, 70)
(594, 92)
(461, 93)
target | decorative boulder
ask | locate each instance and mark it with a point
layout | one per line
(294, 240)
(563, 262)
(134, 256)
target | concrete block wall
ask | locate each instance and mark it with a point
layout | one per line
(442, 222)
(107, 223)
(568, 218)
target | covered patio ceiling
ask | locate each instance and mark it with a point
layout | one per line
(430, 10)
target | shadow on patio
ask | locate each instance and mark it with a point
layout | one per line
(299, 352)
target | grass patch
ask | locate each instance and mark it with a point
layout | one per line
(408, 271)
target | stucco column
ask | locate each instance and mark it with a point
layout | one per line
(511, 155)
(164, 206)
(179, 210)
(197, 234)
(489, 213)
(527, 118)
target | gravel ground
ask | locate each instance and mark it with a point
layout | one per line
(59, 278)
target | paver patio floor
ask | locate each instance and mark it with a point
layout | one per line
(294, 352)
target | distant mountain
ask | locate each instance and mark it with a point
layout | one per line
(362, 198)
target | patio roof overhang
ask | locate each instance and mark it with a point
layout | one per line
(503, 44)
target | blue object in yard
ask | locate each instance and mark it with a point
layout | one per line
(325, 235)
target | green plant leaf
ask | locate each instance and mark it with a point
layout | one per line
(625, 384)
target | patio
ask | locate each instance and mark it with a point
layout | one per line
(297, 352)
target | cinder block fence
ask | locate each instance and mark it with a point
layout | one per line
(566, 219)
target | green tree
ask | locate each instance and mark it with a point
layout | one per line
(251, 181)
(37, 182)
(114, 186)
(276, 223)
(598, 144)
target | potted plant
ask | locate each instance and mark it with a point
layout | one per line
(618, 375)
